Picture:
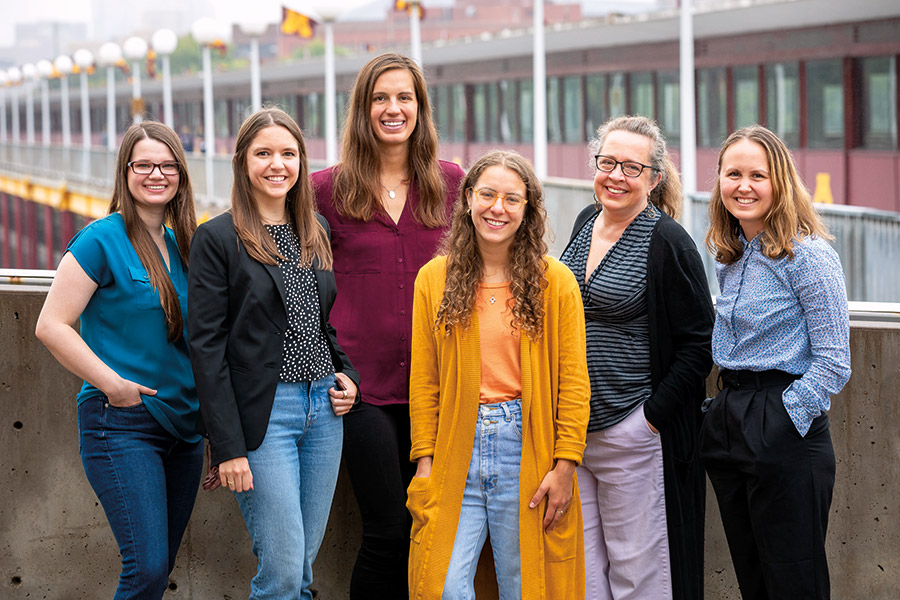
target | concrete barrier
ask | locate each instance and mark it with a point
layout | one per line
(55, 543)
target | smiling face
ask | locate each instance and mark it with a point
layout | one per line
(746, 185)
(273, 164)
(155, 190)
(394, 108)
(495, 227)
(625, 196)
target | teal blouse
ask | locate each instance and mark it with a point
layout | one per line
(124, 324)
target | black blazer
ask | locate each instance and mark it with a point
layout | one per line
(236, 322)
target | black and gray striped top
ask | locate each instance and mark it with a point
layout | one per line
(615, 309)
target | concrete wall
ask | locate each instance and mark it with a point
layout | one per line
(55, 543)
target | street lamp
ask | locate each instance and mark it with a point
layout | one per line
(253, 30)
(65, 66)
(4, 79)
(164, 43)
(207, 31)
(135, 49)
(30, 75)
(45, 69)
(84, 59)
(109, 56)
(15, 78)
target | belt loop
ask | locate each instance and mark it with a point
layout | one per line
(506, 413)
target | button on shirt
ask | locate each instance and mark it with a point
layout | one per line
(375, 265)
(790, 315)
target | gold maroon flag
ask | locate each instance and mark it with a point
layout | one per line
(409, 6)
(294, 23)
(151, 64)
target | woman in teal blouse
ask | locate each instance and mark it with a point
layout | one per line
(125, 277)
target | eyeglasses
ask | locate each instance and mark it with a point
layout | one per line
(607, 164)
(487, 197)
(144, 167)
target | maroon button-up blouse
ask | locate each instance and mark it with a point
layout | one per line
(375, 265)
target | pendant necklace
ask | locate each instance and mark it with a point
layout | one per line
(492, 300)
(392, 193)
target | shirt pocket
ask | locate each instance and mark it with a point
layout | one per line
(145, 296)
(359, 249)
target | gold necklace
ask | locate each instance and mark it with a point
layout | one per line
(392, 193)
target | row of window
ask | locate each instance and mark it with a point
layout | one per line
(781, 95)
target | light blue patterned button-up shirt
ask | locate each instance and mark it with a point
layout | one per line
(790, 315)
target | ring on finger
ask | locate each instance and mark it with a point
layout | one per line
(345, 394)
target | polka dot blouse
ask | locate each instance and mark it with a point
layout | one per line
(306, 354)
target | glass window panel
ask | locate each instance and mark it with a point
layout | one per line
(879, 103)
(711, 107)
(669, 112)
(458, 112)
(616, 95)
(493, 112)
(595, 91)
(479, 112)
(440, 104)
(509, 115)
(641, 85)
(825, 104)
(746, 96)
(554, 127)
(783, 102)
(573, 109)
(526, 109)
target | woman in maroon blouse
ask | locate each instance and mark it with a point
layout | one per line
(388, 203)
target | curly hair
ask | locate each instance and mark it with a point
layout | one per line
(357, 190)
(527, 263)
(667, 193)
(180, 216)
(792, 216)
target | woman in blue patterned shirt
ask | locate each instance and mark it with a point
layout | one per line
(781, 341)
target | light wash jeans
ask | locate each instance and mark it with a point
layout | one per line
(490, 505)
(294, 472)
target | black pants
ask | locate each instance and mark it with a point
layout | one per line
(773, 487)
(376, 452)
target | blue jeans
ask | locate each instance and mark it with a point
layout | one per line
(146, 481)
(294, 472)
(490, 505)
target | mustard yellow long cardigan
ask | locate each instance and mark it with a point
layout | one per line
(444, 390)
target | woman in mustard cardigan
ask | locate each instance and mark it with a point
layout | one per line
(498, 367)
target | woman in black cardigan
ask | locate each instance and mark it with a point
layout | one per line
(649, 321)
(273, 381)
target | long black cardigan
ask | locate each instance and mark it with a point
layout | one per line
(681, 320)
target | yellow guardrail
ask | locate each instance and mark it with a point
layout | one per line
(56, 195)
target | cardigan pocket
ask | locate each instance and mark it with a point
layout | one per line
(562, 543)
(417, 504)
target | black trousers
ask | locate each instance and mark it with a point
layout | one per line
(773, 487)
(376, 453)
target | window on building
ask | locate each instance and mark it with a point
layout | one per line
(745, 91)
(824, 104)
(479, 112)
(313, 117)
(641, 88)
(458, 112)
(526, 109)
(554, 116)
(712, 114)
(616, 95)
(509, 112)
(879, 103)
(668, 113)
(595, 113)
(783, 102)
(573, 110)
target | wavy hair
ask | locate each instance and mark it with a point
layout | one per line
(667, 194)
(180, 215)
(527, 262)
(791, 218)
(357, 182)
(299, 205)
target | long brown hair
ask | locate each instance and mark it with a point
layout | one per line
(527, 262)
(791, 218)
(299, 206)
(357, 187)
(179, 215)
(667, 193)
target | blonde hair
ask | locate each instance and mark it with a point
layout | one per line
(667, 193)
(791, 218)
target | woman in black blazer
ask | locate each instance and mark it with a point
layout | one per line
(273, 381)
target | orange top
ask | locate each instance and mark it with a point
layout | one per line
(501, 372)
